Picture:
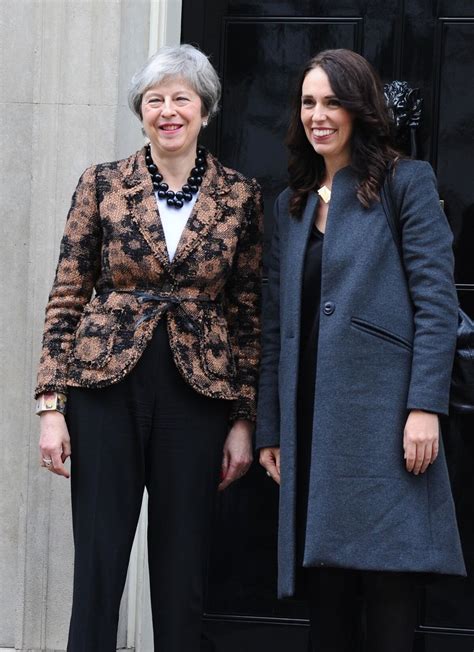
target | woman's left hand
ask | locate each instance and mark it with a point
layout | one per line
(237, 456)
(420, 440)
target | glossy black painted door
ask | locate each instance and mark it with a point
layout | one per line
(258, 48)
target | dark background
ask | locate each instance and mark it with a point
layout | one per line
(259, 48)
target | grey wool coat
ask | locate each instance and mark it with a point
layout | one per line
(386, 346)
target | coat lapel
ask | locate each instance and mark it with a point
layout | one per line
(142, 208)
(298, 235)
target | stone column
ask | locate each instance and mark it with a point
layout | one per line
(65, 69)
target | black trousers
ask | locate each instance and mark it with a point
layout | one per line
(149, 430)
(361, 611)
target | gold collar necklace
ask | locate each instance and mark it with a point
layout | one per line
(325, 194)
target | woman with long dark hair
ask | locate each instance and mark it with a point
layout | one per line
(356, 361)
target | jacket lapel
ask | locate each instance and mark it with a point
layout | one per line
(207, 209)
(142, 208)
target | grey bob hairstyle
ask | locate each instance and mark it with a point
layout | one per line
(183, 61)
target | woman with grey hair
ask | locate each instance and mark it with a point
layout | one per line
(151, 343)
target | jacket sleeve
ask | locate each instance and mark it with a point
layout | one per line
(429, 263)
(76, 273)
(268, 412)
(243, 305)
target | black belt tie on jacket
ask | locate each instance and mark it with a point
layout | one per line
(170, 301)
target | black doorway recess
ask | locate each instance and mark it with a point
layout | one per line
(258, 47)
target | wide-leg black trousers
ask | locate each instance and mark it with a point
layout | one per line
(149, 430)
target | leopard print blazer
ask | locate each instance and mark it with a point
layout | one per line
(114, 282)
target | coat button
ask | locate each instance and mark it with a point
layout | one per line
(329, 307)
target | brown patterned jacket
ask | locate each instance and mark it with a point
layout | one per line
(114, 282)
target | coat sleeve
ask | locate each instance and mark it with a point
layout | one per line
(243, 305)
(429, 263)
(76, 273)
(268, 411)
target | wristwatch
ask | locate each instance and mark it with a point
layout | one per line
(51, 401)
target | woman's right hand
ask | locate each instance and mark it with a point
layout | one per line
(54, 444)
(270, 460)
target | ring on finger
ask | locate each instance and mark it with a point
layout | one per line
(47, 461)
(269, 474)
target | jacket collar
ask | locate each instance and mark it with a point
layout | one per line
(143, 209)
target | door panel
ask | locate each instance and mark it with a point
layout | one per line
(252, 48)
(258, 48)
(454, 134)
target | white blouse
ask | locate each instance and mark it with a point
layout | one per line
(173, 221)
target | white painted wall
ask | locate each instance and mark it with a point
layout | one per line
(65, 67)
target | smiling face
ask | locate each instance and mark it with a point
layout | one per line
(328, 126)
(172, 117)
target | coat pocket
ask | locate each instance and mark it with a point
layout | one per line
(215, 350)
(381, 333)
(95, 337)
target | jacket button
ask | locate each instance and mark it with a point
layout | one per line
(329, 307)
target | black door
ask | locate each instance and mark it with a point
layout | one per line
(258, 46)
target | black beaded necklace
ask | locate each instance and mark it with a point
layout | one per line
(177, 199)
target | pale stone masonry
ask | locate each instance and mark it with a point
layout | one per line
(63, 78)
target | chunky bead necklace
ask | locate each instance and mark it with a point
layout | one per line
(177, 199)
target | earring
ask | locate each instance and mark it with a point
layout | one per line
(204, 123)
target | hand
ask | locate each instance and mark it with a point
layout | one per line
(54, 442)
(237, 456)
(420, 440)
(270, 460)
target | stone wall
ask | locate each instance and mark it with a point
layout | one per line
(65, 66)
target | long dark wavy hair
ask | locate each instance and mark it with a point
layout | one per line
(359, 90)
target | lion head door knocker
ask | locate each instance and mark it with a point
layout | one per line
(404, 104)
